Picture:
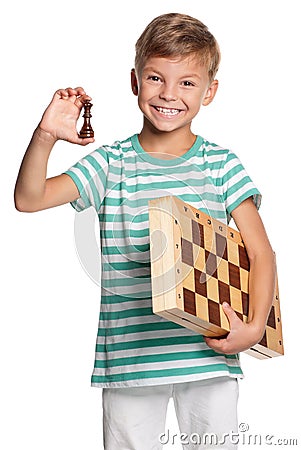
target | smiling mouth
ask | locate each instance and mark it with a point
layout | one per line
(167, 111)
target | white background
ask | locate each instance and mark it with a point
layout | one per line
(49, 306)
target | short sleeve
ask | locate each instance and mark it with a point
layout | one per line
(237, 186)
(90, 176)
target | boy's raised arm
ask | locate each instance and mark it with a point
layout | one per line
(33, 192)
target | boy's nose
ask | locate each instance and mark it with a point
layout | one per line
(168, 93)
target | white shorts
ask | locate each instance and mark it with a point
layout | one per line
(134, 418)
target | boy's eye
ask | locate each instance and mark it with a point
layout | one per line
(188, 83)
(154, 78)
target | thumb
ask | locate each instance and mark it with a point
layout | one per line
(85, 141)
(231, 314)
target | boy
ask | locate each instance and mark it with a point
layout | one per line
(143, 360)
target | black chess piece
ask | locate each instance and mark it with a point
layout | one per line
(87, 130)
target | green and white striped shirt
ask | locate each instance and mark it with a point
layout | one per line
(134, 346)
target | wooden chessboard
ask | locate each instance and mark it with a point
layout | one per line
(197, 263)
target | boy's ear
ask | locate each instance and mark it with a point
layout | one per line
(134, 82)
(210, 94)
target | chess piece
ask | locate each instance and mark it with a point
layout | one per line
(87, 130)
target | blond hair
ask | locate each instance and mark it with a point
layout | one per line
(176, 35)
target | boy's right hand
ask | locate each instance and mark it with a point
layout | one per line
(60, 118)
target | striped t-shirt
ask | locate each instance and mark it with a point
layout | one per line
(134, 346)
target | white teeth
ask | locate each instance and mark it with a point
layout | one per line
(167, 111)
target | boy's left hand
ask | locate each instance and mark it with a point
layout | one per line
(242, 336)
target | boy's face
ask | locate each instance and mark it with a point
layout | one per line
(171, 91)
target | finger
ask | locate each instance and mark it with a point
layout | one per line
(231, 315)
(84, 141)
(77, 94)
(61, 93)
(224, 346)
(81, 100)
(80, 90)
(68, 92)
(71, 92)
(218, 345)
(80, 141)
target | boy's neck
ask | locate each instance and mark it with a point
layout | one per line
(171, 144)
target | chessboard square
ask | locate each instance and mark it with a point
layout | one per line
(214, 312)
(222, 271)
(272, 318)
(212, 289)
(264, 340)
(234, 275)
(209, 241)
(186, 277)
(199, 258)
(187, 252)
(240, 316)
(223, 292)
(197, 233)
(274, 338)
(211, 264)
(236, 299)
(224, 321)
(221, 246)
(232, 249)
(202, 308)
(185, 228)
(244, 280)
(245, 303)
(200, 283)
(243, 258)
(189, 301)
